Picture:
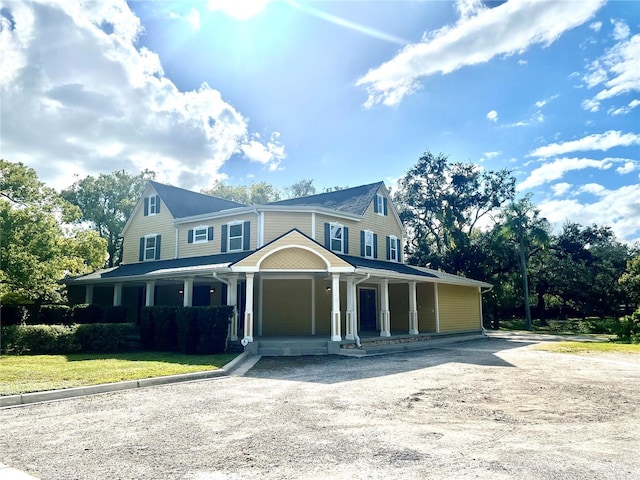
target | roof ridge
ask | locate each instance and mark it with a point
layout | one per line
(195, 193)
(327, 193)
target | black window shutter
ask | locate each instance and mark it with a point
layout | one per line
(385, 205)
(223, 239)
(345, 236)
(157, 257)
(327, 236)
(190, 236)
(399, 250)
(375, 204)
(388, 248)
(141, 256)
(209, 234)
(362, 250)
(246, 236)
(146, 206)
(375, 245)
(157, 203)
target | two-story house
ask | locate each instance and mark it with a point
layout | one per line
(327, 265)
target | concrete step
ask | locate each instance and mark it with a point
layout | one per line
(291, 351)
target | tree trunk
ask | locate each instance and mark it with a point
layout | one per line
(542, 309)
(525, 288)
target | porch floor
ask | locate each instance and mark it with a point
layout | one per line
(371, 343)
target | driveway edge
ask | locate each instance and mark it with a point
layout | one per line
(50, 395)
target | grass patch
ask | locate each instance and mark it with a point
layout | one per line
(589, 347)
(36, 373)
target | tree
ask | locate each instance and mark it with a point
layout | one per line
(442, 203)
(34, 252)
(106, 202)
(630, 279)
(523, 226)
(301, 188)
(254, 194)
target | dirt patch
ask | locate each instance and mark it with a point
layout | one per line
(489, 409)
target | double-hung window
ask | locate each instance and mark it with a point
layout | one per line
(200, 234)
(337, 238)
(149, 247)
(151, 205)
(393, 243)
(380, 205)
(236, 232)
(368, 244)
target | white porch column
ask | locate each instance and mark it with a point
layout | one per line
(88, 294)
(248, 310)
(150, 293)
(187, 292)
(413, 309)
(385, 315)
(351, 300)
(232, 300)
(437, 306)
(336, 334)
(117, 294)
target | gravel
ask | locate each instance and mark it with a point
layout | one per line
(486, 409)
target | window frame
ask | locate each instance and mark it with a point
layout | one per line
(230, 225)
(393, 249)
(380, 204)
(203, 228)
(153, 237)
(338, 227)
(369, 234)
(152, 208)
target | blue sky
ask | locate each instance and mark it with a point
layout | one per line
(341, 92)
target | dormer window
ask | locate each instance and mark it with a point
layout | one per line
(380, 205)
(151, 205)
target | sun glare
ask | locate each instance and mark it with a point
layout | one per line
(238, 9)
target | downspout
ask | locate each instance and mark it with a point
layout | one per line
(226, 340)
(354, 324)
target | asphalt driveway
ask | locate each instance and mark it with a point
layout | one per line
(488, 409)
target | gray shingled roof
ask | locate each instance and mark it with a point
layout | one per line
(185, 203)
(354, 200)
(382, 265)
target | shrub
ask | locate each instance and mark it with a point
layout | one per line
(213, 325)
(187, 329)
(146, 328)
(627, 329)
(104, 337)
(115, 314)
(39, 339)
(13, 314)
(165, 335)
(54, 315)
(87, 313)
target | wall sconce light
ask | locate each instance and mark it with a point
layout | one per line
(180, 292)
(212, 290)
(328, 289)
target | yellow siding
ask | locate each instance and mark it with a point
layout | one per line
(277, 224)
(293, 259)
(426, 307)
(286, 307)
(459, 308)
(379, 224)
(213, 247)
(399, 307)
(139, 226)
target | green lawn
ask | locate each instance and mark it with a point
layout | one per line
(590, 347)
(35, 373)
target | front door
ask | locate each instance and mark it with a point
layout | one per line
(367, 309)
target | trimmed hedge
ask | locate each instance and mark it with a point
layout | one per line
(192, 330)
(62, 340)
(87, 313)
(54, 315)
(13, 314)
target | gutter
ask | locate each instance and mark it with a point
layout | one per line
(354, 324)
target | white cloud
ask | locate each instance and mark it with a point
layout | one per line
(493, 116)
(597, 141)
(628, 167)
(624, 110)
(492, 154)
(555, 170)
(192, 18)
(543, 102)
(95, 100)
(596, 26)
(480, 35)
(619, 209)
(560, 189)
(593, 189)
(269, 154)
(620, 30)
(616, 71)
(522, 62)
